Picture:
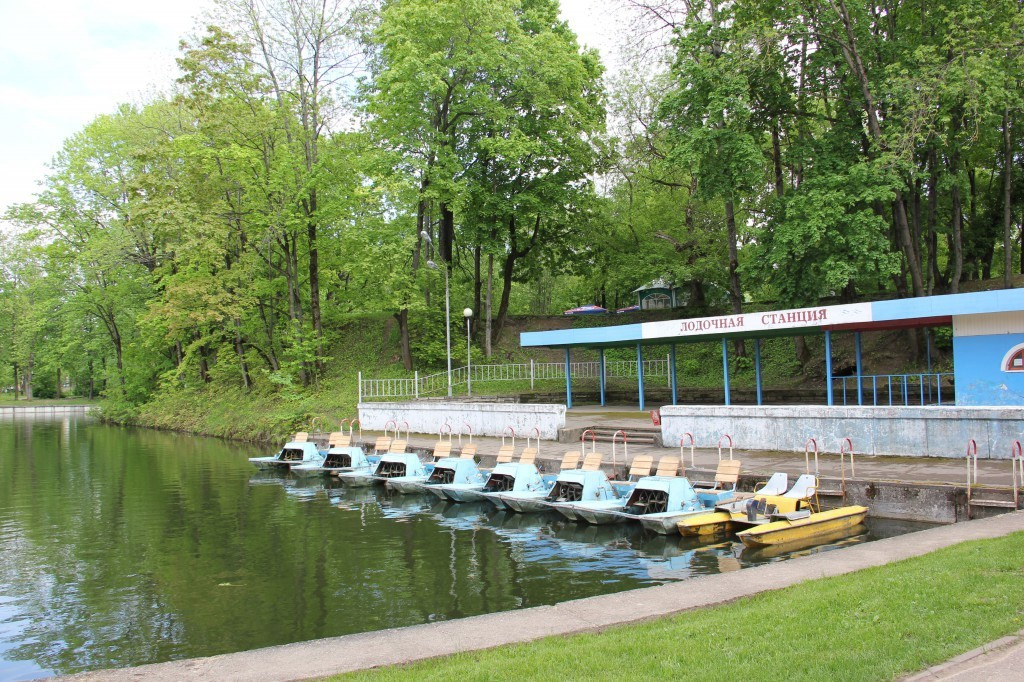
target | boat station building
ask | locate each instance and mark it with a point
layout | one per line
(988, 374)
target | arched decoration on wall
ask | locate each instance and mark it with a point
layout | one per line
(656, 302)
(1013, 361)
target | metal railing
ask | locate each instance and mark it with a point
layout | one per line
(895, 389)
(437, 384)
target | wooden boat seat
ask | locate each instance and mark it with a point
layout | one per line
(338, 439)
(570, 460)
(804, 487)
(468, 451)
(668, 466)
(382, 444)
(592, 462)
(528, 456)
(397, 446)
(776, 485)
(505, 453)
(300, 437)
(728, 473)
(442, 449)
(641, 466)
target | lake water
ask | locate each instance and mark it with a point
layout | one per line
(120, 547)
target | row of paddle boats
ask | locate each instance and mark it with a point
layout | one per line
(662, 499)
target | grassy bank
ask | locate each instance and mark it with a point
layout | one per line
(874, 624)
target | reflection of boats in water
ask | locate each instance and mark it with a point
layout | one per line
(469, 516)
(302, 488)
(403, 507)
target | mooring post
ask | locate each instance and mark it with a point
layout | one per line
(568, 382)
(757, 368)
(672, 372)
(725, 370)
(601, 373)
(640, 373)
(828, 366)
(860, 369)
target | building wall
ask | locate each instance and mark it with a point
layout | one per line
(983, 350)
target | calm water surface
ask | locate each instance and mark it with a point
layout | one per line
(120, 547)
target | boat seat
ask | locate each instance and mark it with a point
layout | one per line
(592, 462)
(300, 437)
(776, 485)
(442, 449)
(337, 439)
(668, 466)
(804, 487)
(397, 446)
(468, 451)
(728, 473)
(641, 466)
(382, 444)
(505, 453)
(570, 460)
(528, 456)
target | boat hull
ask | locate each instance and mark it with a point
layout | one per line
(800, 530)
(706, 525)
(358, 479)
(268, 463)
(523, 504)
(408, 485)
(600, 513)
(467, 493)
(663, 523)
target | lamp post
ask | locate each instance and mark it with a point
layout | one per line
(447, 311)
(468, 314)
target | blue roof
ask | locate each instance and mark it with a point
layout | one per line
(906, 312)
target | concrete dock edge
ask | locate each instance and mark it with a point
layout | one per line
(319, 658)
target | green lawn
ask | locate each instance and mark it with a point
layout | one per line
(874, 624)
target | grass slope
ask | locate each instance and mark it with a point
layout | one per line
(874, 624)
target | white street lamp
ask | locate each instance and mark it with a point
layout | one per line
(468, 314)
(447, 311)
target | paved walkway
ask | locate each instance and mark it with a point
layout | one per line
(999, 661)
(324, 657)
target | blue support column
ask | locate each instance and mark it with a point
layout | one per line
(860, 369)
(672, 371)
(757, 368)
(640, 373)
(601, 370)
(568, 382)
(725, 370)
(828, 366)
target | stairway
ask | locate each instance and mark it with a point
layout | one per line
(635, 435)
(991, 498)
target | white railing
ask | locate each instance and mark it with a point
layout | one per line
(431, 385)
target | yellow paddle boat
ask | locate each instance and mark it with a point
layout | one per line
(802, 525)
(771, 498)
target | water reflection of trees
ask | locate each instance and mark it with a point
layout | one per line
(124, 546)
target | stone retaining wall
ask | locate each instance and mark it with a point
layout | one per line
(905, 431)
(485, 419)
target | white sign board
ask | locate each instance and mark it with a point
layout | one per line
(823, 316)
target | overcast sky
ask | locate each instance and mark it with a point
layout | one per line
(64, 62)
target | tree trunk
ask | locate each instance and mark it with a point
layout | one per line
(240, 351)
(92, 381)
(58, 383)
(1007, 203)
(17, 386)
(932, 237)
(477, 286)
(506, 292)
(27, 375)
(490, 297)
(735, 293)
(957, 225)
(446, 234)
(403, 335)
